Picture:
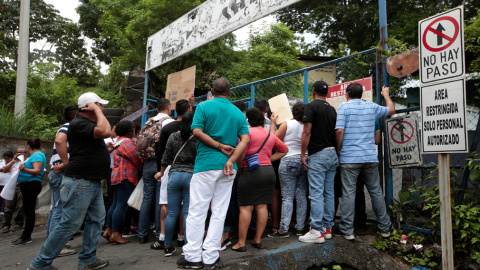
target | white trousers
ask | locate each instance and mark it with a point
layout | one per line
(205, 187)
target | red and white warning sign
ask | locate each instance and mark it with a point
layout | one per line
(337, 95)
(403, 142)
(442, 54)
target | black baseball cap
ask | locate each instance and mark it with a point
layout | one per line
(320, 87)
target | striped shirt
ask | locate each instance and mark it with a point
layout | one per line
(357, 118)
(55, 157)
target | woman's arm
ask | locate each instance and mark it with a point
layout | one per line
(281, 149)
(129, 151)
(37, 168)
(282, 130)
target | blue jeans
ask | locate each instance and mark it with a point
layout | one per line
(121, 193)
(82, 199)
(151, 196)
(321, 177)
(293, 183)
(178, 189)
(371, 177)
(55, 182)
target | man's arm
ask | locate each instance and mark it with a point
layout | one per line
(388, 101)
(62, 150)
(339, 139)
(102, 130)
(377, 137)
(307, 132)
(204, 138)
(241, 146)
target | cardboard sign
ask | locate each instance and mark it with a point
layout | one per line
(280, 106)
(337, 95)
(180, 85)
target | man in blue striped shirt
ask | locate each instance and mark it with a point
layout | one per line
(356, 148)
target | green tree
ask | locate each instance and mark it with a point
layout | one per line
(270, 51)
(45, 24)
(355, 23)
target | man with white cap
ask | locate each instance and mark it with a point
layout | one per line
(81, 189)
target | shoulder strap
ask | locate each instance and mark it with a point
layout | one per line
(268, 136)
(181, 148)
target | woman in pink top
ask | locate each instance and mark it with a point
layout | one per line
(255, 187)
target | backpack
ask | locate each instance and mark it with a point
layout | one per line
(149, 136)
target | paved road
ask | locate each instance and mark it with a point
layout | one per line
(128, 256)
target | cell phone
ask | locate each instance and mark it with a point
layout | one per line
(209, 95)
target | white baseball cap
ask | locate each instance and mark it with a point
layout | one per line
(90, 97)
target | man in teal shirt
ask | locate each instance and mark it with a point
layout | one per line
(217, 124)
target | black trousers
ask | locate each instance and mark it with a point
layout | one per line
(30, 191)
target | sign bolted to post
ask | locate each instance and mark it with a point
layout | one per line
(442, 54)
(403, 142)
(442, 78)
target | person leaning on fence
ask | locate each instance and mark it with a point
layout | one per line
(81, 186)
(217, 124)
(358, 156)
(126, 165)
(318, 137)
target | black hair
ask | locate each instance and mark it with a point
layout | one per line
(70, 112)
(186, 126)
(240, 105)
(354, 90)
(136, 126)
(182, 106)
(123, 128)
(221, 86)
(162, 104)
(8, 154)
(255, 117)
(260, 104)
(297, 111)
(34, 143)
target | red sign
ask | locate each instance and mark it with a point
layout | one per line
(338, 90)
(438, 31)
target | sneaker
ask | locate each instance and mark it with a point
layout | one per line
(184, 264)
(225, 244)
(213, 265)
(20, 241)
(5, 229)
(386, 234)
(180, 243)
(158, 245)
(129, 234)
(299, 232)
(17, 228)
(313, 236)
(327, 233)
(169, 251)
(98, 264)
(49, 268)
(66, 252)
(349, 237)
(278, 234)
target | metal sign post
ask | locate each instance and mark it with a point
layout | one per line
(442, 77)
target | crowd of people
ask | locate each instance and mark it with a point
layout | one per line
(216, 162)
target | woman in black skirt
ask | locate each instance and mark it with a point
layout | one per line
(255, 187)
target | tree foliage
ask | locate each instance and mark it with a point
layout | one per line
(356, 23)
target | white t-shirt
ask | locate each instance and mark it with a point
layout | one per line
(4, 177)
(110, 140)
(293, 137)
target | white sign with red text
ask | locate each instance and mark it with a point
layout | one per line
(337, 95)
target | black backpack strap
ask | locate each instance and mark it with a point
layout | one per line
(268, 136)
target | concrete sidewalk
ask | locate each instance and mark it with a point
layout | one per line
(277, 254)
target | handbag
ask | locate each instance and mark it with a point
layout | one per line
(136, 198)
(252, 160)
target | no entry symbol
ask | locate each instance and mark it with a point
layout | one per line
(450, 35)
(402, 132)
